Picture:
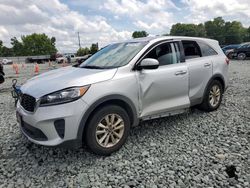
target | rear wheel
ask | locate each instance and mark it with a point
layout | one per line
(213, 96)
(241, 56)
(107, 130)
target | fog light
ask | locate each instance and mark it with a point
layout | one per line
(60, 127)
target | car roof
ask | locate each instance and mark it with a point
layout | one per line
(160, 38)
(152, 40)
(231, 45)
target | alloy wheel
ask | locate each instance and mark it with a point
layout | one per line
(110, 130)
(214, 96)
(241, 56)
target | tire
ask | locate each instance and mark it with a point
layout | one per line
(208, 103)
(115, 138)
(241, 56)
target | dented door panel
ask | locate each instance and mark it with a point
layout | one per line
(163, 89)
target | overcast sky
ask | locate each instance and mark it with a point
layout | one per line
(110, 20)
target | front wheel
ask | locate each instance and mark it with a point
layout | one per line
(213, 97)
(107, 130)
(241, 56)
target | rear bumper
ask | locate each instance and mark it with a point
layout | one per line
(53, 125)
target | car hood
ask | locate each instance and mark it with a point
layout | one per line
(65, 77)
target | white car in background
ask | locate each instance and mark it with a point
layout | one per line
(7, 61)
(65, 58)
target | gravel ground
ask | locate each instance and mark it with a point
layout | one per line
(190, 150)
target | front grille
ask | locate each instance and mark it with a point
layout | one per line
(28, 102)
(33, 132)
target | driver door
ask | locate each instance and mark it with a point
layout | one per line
(166, 88)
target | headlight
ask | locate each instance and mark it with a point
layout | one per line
(63, 96)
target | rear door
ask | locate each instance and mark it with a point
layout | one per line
(200, 66)
(166, 88)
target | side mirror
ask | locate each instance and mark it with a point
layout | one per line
(148, 63)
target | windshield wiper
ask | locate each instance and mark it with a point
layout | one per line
(92, 67)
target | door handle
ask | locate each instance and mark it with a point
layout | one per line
(207, 64)
(180, 73)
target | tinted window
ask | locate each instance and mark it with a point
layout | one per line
(191, 49)
(166, 54)
(245, 46)
(206, 50)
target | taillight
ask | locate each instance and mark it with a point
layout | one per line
(227, 61)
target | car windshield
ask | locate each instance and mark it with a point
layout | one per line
(244, 45)
(113, 56)
(230, 46)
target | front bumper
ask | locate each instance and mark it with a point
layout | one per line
(53, 125)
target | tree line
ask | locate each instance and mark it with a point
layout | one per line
(34, 44)
(218, 29)
(91, 50)
(38, 44)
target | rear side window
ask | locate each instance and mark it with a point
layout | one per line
(191, 49)
(166, 54)
(206, 50)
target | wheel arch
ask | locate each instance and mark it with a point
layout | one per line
(119, 100)
(218, 77)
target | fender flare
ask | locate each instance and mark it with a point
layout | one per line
(214, 77)
(99, 102)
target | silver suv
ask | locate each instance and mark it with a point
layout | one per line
(119, 86)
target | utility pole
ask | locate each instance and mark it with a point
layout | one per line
(79, 40)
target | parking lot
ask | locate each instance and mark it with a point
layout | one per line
(195, 149)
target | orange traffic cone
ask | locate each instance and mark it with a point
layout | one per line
(14, 65)
(36, 69)
(16, 69)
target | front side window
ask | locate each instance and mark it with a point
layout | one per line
(206, 50)
(166, 54)
(114, 55)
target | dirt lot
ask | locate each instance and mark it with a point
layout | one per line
(196, 149)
